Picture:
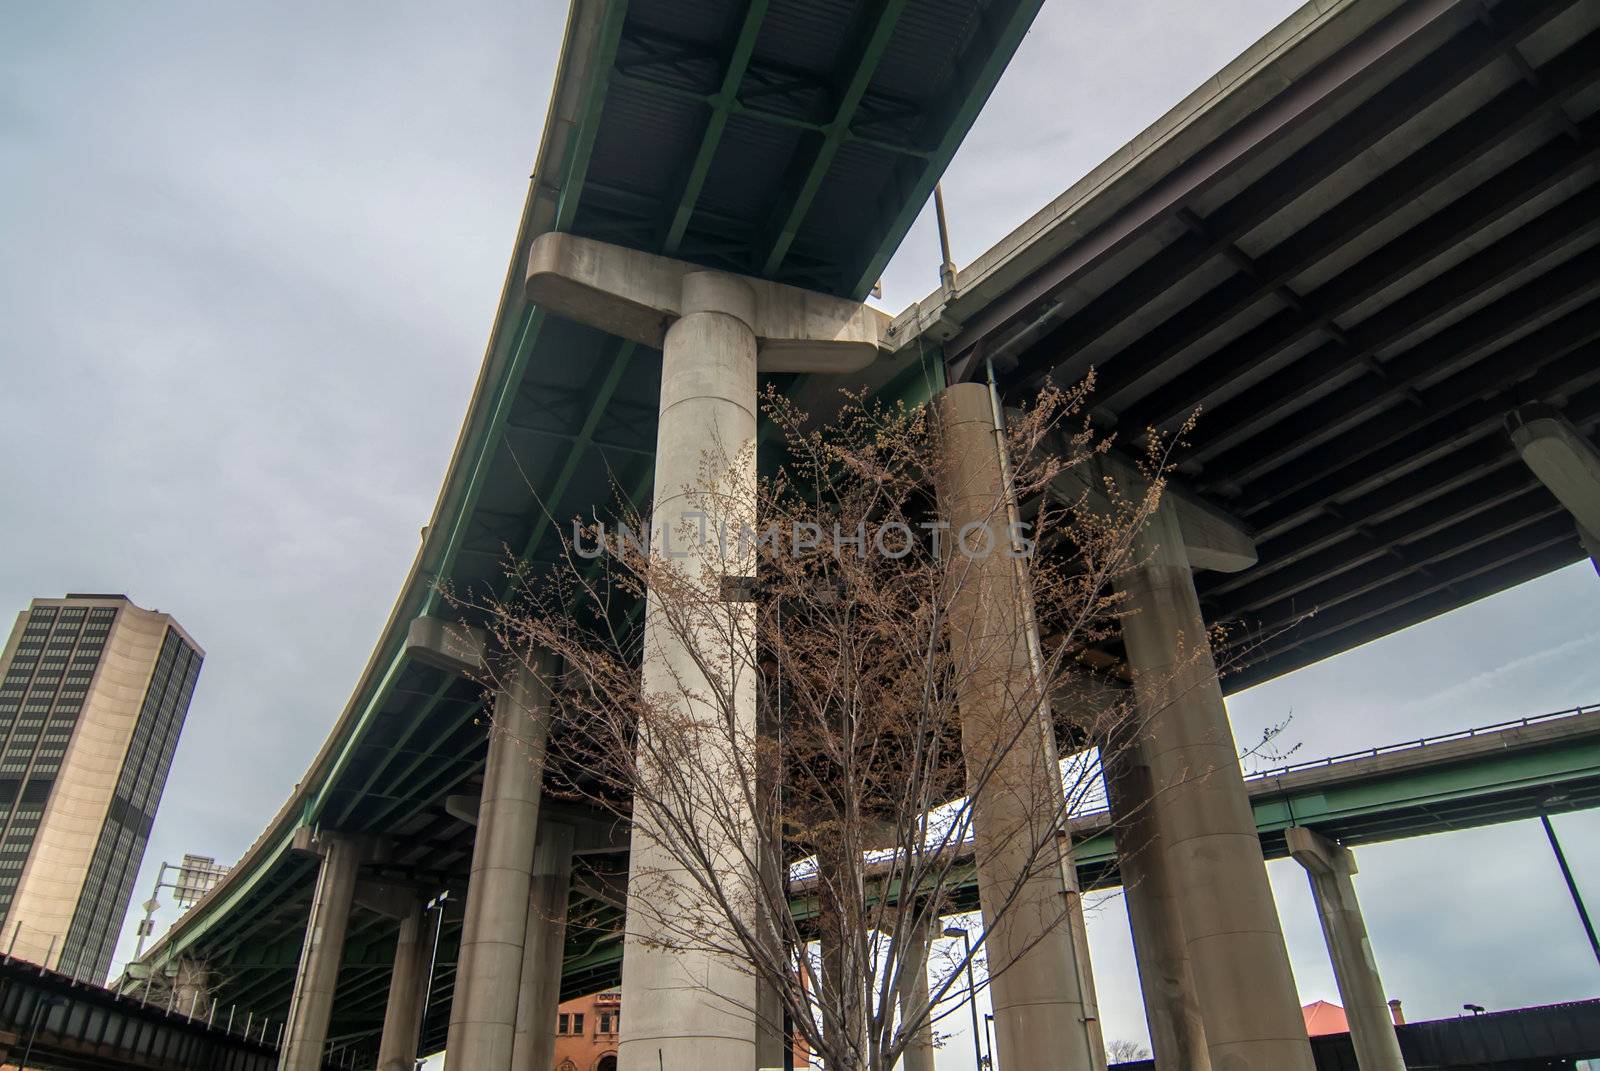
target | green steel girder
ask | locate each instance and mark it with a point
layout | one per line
(999, 33)
(722, 104)
(741, 106)
(588, 128)
(399, 745)
(807, 169)
(396, 801)
(600, 398)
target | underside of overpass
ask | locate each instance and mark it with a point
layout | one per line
(1354, 249)
(1352, 282)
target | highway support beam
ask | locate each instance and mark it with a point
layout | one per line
(1041, 986)
(1566, 462)
(483, 1014)
(688, 1005)
(311, 1005)
(1330, 868)
(534, 1046)
(1232, 936)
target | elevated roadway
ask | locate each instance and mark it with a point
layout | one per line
(1353, 252)
(1545, 764)
(1357, 246)
(790, 139)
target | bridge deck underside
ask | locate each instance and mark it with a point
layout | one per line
(792, 139)
(1352, 301)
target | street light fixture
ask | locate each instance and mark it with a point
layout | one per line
(972, 993)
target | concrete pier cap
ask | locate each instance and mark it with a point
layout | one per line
(638, 296)
(1565, 461)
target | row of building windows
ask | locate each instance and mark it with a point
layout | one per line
(571, 1024)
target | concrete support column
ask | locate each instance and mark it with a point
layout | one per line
(688, 1007)
(1044, 1007)
(1230, 923)
(311, 1006)
(483, 1014)
(1355, 969)
(913, 996)
(1567, 462)
(840, 934)
(1150, 893)
(402, 1016)
(534, 1046)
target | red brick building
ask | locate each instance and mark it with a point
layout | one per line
(586, 1033)
(587, 1029)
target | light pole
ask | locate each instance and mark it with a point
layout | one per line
(972, 993)
(988, 1038)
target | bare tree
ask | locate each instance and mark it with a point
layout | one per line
(820, 841)
(1122, 1051)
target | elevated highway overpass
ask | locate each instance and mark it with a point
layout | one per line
(1545, 764)
(1358, 247)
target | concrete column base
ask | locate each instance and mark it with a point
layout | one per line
(306, 1032)
(1355, 969)
(534, 1046)
(483, 1017)
(402, 1017)
(913, 996)
(1237, 957)
(1171, 1008)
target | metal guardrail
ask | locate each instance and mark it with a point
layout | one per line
(1424, 742)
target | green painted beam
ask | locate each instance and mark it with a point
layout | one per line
(417, 762)
(744, 108)
(722, 104)
(599, 399)
(587, 128)
(411, 730)
(808, 169)
(1001, 31)
(1348, 797)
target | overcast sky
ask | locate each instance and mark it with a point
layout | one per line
(250, 257)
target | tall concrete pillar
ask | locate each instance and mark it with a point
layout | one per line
(1355, 969)
(1151, 895)
(687, 1005)
(690, 1008)
(534, 1046)
(913, 997)
(311, 1006)
(1044, 1006)
(483, 1014)
(1236, 952)
(402, 1016)
(1567, 462)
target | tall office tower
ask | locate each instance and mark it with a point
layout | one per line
(93, 693)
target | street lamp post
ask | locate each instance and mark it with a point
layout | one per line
(972, 993)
